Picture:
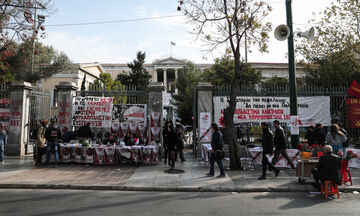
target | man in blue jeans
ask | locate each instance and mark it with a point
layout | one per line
(217, 152)
(52, 135)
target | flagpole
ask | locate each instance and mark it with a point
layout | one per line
(170, 49)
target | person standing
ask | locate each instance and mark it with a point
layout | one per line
(280, 145)
(52, 135)
(335, 138)
(85, 132)
(309, 133)
(181, 138)
(267, 144)
(172, 145)
(217, 145)
(318, 136)
(40, 142)
(3, 142)
(166, 132)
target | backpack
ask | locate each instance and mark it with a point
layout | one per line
(34, 133)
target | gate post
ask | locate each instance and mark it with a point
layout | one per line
(203, 104)
(65, 91)
(155, 105)
(19, 112)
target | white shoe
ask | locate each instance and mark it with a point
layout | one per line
(2, 162)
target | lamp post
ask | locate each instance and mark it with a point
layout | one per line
(292, 77)
(40, 20)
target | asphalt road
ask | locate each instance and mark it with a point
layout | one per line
(88, 203)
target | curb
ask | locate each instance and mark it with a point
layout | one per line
(164, 189)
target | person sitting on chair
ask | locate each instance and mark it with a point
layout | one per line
(328, 168)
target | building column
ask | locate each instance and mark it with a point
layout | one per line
(155, 76)
(65, 93)
(176, 77)
(165, 80)
(155, 109)
(19, 113)
(204, 104)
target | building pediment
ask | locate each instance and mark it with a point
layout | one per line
(170, 61)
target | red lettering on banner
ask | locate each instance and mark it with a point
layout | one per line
(15, 123)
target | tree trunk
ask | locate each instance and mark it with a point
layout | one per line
(234, 148)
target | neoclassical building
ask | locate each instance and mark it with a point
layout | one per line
(165, 70)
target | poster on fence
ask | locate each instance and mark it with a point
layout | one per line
(205, 123)
(353, 112)
(254, 110)
(129, 118)
(94, 110)
(5, 113)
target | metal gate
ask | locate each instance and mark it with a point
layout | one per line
(39, 109)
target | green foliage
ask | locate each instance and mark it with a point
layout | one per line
(274, 81)
(222, 73)
(106, 83)
(47, 62)
(333, 58)
(138, 76)
(83, 87)
(188, 78)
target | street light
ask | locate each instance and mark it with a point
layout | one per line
(281, 33)
(40, 20)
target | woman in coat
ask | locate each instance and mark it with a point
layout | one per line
(217, 144)
(171, 144)
(40, 141)
(335, 138)
(3, 141)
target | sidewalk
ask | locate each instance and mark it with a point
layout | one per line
(20, 173)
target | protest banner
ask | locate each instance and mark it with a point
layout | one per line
(353, 112)
(254, 110)
(5, 113)
(205, 123)
(94, 110)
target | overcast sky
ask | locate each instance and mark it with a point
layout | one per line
(118, 42)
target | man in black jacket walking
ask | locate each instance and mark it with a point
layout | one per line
(280, 145)
(267, 146)
(217, 145)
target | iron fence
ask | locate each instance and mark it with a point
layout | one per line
(121, 95)
(337, 96)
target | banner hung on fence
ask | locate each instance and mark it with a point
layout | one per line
(95, 110)
(353, 112)
(254, 110)
(5, 113)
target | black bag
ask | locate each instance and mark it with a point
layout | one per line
(346, 144)
(219, 154)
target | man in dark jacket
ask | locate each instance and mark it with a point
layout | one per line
(318, 136)
(52, 135)
(280, 145)
(217, 144)
(328, 168)
(267, 146)
(85, 131)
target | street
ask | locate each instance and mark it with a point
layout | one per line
(78, 202)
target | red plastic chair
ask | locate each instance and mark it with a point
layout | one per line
(329, 188)
(346, 176)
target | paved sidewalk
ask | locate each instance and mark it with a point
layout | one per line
(20, 173)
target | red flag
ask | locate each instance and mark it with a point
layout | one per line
(354, 89)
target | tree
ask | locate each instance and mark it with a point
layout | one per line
(188, 78)
(83, 87)
(274, 81)
(224, 23)
(138, 76)
(47, 62)
(333, 58)
(106, 83)
(17, 25)
(222, 73)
